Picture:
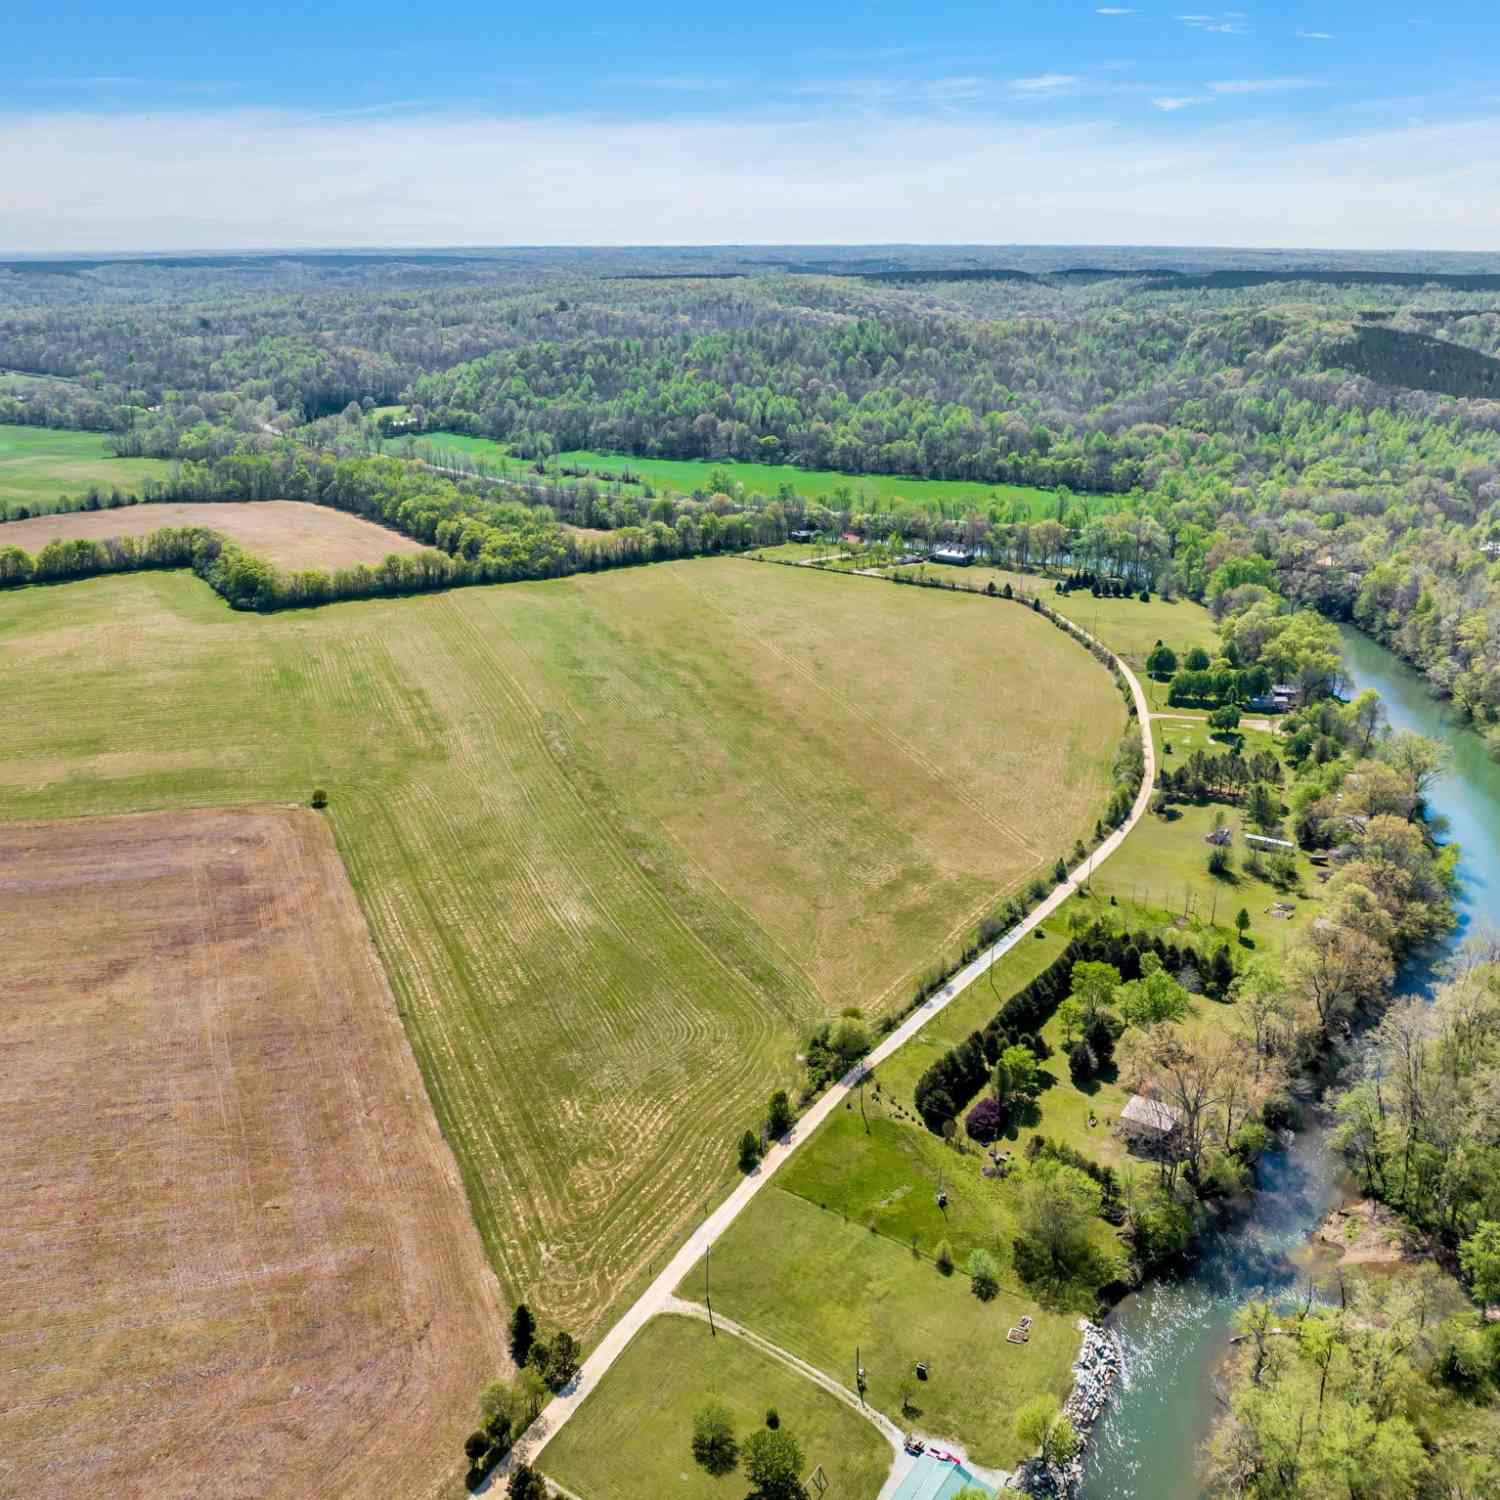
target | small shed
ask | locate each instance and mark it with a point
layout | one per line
(1148, 1121)
(956, 557)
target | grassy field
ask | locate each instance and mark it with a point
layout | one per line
(948, 497)
(793, 551)
(951, 497)
(1126, 625)
(38, 464)
(288, 533)
(619, 838)
(238, 1257)
(817, 1287)
(621, 1446)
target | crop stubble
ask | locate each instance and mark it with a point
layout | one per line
(238, 1259)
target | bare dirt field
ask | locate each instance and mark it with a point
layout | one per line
(237, 1259)
(289, 533)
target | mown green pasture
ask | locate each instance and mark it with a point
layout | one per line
(38, 465)
(818, 1287)
(884, 492)
(950, 497)
(623, 1444)
(1125, 625)
(620, 839)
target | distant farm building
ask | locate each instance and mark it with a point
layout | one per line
(1261, 841)
(1281, 698)
(1146, 1121)
(956, 557)
(1220, 837)
(800, 535)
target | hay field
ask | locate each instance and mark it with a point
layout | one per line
(237, 1258)
(620, 839)
(289, 533)
(38, 464)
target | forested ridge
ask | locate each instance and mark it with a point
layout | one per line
(1344, 433)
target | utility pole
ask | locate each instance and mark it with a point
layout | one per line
(708, 1300)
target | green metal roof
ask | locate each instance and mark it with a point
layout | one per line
(932, 1480)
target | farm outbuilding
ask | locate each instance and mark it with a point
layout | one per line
(1148, 1121)
(955, 557)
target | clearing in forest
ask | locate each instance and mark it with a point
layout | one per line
(238, 1260)
(621, 839)
(884, 492)
(39, 464)
(289, 533)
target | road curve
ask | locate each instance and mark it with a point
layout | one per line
(660, 1296)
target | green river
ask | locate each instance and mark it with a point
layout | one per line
(1176, 1331)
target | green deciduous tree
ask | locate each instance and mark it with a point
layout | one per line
(1479, 1255)
(714, 1446)
(773, 1463)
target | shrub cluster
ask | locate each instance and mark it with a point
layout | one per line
(961, 1072)
(1111, 1204)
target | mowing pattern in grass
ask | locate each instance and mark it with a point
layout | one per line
(37, 465)
(816, 1286)
(288, 533)
(619, 838)
(630, 1440)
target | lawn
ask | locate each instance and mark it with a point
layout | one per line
(795, 551)
(820, 1288)
(948, 497)
(1163, 866)
(631, 1439)
(1125, 625)
(620, 839)
(288, 533)
(38, 465)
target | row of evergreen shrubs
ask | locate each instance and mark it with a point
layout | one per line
(952, 1081)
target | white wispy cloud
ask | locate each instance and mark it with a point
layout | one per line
(209, 179)
(1114, 10)
(1316, 36)
(892, 91)
(1263, 85)
(1046, 82)
(1228, 23)
(1173, 102)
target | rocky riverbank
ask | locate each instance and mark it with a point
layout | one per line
(1094, 1374)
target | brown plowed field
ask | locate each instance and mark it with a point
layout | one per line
(289, 533)
(236, 1258)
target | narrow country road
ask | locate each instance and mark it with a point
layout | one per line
(660, 1296)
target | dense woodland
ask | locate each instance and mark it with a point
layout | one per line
(1340, 437)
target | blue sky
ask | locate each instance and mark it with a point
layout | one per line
(171, 125)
